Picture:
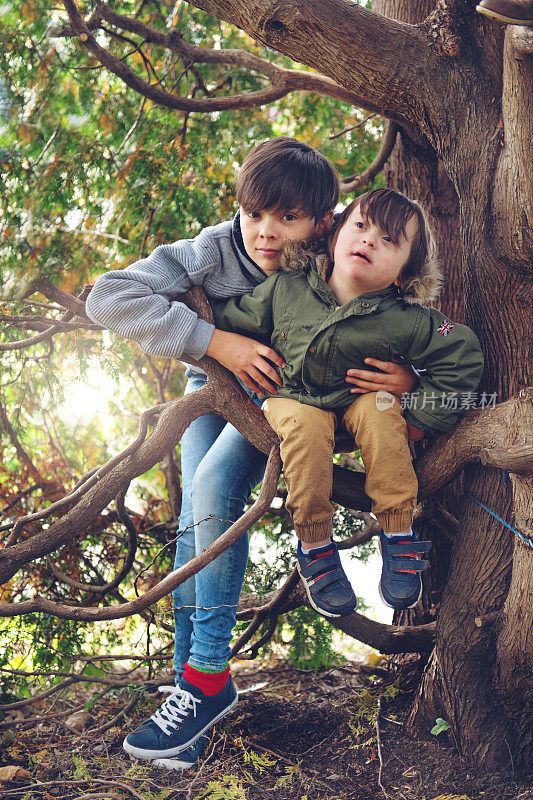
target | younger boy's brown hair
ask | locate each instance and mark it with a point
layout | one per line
(391, 211)
(287, 175)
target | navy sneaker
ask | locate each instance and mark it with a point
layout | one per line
(184, 716)
(328, 589)
(186, 759)
(400, 586)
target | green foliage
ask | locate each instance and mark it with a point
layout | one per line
(310, 646)
(363, 715)
(228, 787)
(259, 763)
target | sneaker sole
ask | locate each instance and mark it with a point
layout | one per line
(151, 755)
(173, 763)
(321, 610)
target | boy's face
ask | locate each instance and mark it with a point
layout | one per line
(264, 233)
(365, 257)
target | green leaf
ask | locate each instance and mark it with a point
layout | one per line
(441, 725)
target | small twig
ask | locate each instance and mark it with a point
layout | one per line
(354, 182)
(98, 796)
(380, 755)
(109, 724)
(196, 778)
(352, 127)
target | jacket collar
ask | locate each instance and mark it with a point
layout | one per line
(254, 273)
(363, 304)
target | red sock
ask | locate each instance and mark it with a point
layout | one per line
(210, 683)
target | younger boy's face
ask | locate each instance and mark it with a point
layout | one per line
(264, 233)
(365, 257)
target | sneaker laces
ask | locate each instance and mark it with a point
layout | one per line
(175, 708)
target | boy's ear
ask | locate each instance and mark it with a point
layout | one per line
(325, 223)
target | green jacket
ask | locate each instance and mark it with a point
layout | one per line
(298, 315)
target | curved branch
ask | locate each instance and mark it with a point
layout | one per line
(388, 141)
(382, 637)
(75, 309)
(269, 609)
(176, 578)
(282, 80)
(124, 570)
(93, 477)
(45, 336)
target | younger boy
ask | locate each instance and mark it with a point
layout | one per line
(323, 311)
(286, 192)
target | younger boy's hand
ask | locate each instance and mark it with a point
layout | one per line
(247, 359)
(396, 378)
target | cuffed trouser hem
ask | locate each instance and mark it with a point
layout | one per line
(313, 531)
(397, 520)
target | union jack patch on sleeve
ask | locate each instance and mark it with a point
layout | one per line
(445, 328)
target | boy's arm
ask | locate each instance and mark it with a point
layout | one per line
(451, 355)
(137, 302)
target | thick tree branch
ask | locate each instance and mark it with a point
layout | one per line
(469, 440)
(282, 80)
(361, 50)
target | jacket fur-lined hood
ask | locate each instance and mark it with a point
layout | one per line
(299, 258)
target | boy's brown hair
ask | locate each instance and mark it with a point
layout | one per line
(287, 175)
(391, 211)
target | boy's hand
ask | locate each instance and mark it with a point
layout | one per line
(395, 378)
(414, 434)
(246, 358)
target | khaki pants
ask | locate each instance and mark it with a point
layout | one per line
(307, 441)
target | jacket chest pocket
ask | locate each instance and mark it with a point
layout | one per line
(281, 334)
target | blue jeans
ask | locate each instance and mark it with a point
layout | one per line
(219, 469)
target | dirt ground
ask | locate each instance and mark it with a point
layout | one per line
(294, 735)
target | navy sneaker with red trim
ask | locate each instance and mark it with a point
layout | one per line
(328, 589)
(400, 586)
